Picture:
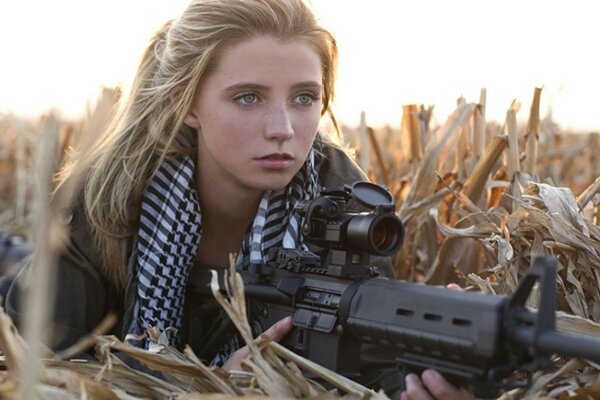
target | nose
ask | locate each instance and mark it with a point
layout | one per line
(278, 124)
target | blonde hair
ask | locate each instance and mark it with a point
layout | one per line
(115, 170)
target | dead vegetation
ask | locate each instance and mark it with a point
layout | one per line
(479, 200)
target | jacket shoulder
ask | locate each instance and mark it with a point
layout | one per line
(339, 168)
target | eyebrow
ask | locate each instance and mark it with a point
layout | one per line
(256, 86)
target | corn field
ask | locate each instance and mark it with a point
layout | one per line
(479, 200)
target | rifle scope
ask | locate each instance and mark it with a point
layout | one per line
(328, 223)
(379, 234)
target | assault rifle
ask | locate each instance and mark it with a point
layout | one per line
(338, 303)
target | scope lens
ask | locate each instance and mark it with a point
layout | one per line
(386, 235)
(376, 234)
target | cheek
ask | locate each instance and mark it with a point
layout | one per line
(227, 130)
(307, 129)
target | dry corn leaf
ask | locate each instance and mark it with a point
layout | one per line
(543, 380)
(482, 230)
(179, 371)
(560, 200)
(425, 179)
(78, 385)
(120, 378)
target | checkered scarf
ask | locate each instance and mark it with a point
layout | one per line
(170, 231)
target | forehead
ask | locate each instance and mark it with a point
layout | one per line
(266, 59)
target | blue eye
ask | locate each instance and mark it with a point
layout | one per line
(305, 99)
(247, 99)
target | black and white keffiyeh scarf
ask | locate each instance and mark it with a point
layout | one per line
(171, 227)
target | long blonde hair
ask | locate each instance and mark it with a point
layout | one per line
(115, 170)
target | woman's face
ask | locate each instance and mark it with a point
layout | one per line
(257, 114)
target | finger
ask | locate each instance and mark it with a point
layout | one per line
(275, 332)
(280, 329)
(234, 363)
(415, 389)
(441, 389)
(453, 286)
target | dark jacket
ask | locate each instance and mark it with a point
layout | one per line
(84, 295)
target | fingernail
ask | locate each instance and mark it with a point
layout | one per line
(287, 321)
(412, 379)
(432, 375)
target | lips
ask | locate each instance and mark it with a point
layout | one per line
(276, 161)
(277, 156)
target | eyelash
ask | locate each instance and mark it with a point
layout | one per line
(313, 97)
(239, 99)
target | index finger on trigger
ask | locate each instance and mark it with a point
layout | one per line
(280, 329)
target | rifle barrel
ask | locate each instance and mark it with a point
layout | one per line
(556, 342)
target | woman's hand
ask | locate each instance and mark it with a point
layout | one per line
(276, 333)
(432, 386)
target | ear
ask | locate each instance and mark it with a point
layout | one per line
(190, 118)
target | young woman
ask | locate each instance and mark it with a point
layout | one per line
(213, 147)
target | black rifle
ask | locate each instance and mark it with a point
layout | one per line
(338, 303)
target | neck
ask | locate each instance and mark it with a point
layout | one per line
(226, 216)
(226, 208)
